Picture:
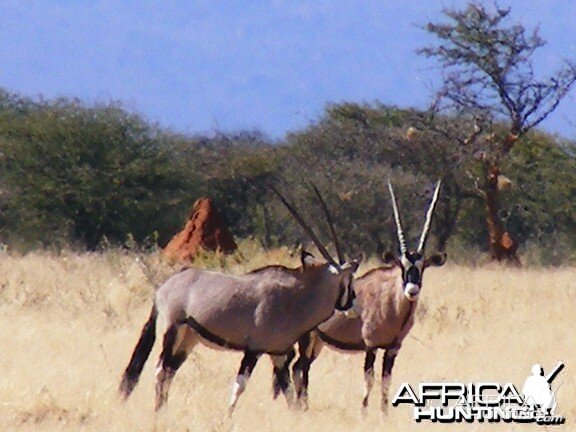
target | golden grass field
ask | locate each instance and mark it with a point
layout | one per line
(69, 322)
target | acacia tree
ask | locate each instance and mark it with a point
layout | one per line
(488, 74)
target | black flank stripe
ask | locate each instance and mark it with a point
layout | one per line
(341, 345)
(215, 339)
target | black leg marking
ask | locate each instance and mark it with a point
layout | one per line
(168, 365)
(246, 367)
(248, 362)
(302, 366)
(282, 375)
(170, 359)
(309, 347)
(369, 360)
(388, 363)
(164, 375)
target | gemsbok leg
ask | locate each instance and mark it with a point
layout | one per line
(246, 367)
(387, 365)
(368, 374)
(309, 347)
(281, 381)
(178, 342)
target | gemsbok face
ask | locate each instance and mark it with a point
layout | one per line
(387, 297)
(262, 312)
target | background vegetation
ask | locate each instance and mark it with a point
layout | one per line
(87, 176)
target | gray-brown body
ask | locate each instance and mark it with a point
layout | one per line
(386, 318)
(386, 314)
(265, 311)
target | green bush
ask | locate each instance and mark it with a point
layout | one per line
(78, 174)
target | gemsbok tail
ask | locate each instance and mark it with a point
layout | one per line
(139, 356)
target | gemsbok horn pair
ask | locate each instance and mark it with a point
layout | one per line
(387, 297)
(265, 311)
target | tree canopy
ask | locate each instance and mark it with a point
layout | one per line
(488, 69)
(73, 174)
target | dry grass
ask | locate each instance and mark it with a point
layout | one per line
(68, 325)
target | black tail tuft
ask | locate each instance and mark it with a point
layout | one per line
(139, 356)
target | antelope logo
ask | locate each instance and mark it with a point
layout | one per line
(537, 389)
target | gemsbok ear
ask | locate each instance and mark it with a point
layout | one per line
(355, 263)
(388, 258)
(436, 260)
(308, 259)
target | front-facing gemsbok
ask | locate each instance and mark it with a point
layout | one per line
(264, 311)
(387, 297)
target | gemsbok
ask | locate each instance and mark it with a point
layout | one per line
(387, 297)
(265, 311)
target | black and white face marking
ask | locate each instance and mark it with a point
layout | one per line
(347, 296)
(412, 265)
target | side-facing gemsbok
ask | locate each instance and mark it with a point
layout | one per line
(264, 311)
(387, 297)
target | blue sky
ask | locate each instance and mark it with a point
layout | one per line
(201, 66)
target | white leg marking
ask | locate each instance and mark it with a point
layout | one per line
(237, 390)
(389, 358)
(385, 386)
(290, 396)
(368, 384)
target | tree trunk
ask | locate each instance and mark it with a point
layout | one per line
(267, 234)
(502, 246)
(451, 211)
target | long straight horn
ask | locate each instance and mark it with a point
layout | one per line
(429, 214)
(401, 239)
(306, 228)
(339, 253)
